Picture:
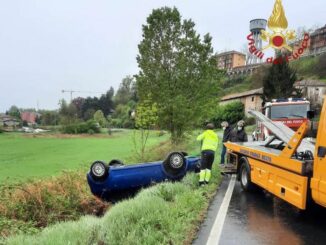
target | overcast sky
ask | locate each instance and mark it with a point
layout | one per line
(90, 45)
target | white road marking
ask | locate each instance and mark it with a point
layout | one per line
(216, 231)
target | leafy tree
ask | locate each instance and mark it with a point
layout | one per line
(104, 103)
(258, 76)
(177, 71)
(146, 115)
(89, 114)
(67, 113)
(49, 117)
(146, 119)
(100, 118)
(14, 112)
(279, 81)
(78, 103)
(231, 112)
(90, 106)
(126, 91)
(121, 117)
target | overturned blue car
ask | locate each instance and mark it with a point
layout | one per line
(106, 181)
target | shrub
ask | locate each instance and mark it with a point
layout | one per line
(232, 113)
(40, 203)
(161, 133)
(81, 128)
(250, 121)
(100, 118)
(10, 227)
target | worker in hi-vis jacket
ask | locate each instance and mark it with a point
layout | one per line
(209, 145)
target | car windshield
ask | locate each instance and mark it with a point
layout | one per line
(289, 111)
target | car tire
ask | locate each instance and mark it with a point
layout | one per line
(175, 164)
(245, 176)
(99, 171)
(115, 163)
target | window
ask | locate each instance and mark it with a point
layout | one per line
(252, 98)
(289, 111)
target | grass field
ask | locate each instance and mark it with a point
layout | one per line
(26, 156)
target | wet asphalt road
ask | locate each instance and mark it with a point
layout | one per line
(260, 218)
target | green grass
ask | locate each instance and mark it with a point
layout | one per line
(239, 88)
(323, 80)
(24, 157)
(305, 67)
(249, 129)
(168, 213)
(237, 85)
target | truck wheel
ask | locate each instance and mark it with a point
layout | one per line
(115, 163)
(175, 164)
(245, 178)
(99, 171)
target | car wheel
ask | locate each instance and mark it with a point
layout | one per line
(99, 171)
(245, 176)
(116, 163)
(175, 164)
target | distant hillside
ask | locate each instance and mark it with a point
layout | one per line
(311, 68)
(307, 68)
(236, 85)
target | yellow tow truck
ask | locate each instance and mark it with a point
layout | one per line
(286, 165)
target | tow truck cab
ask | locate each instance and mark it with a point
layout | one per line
(286, 164)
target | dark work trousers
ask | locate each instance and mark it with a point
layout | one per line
(223, 154)
(207, 159)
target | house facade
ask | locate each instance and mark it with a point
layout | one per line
(29, 117)
(252, 99)
(8, 121)
(314, 91)
(318, 41)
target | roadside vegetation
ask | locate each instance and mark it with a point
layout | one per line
(167, 213)
(28, 208)
(31, 200)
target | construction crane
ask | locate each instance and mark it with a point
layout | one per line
(75, 91)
